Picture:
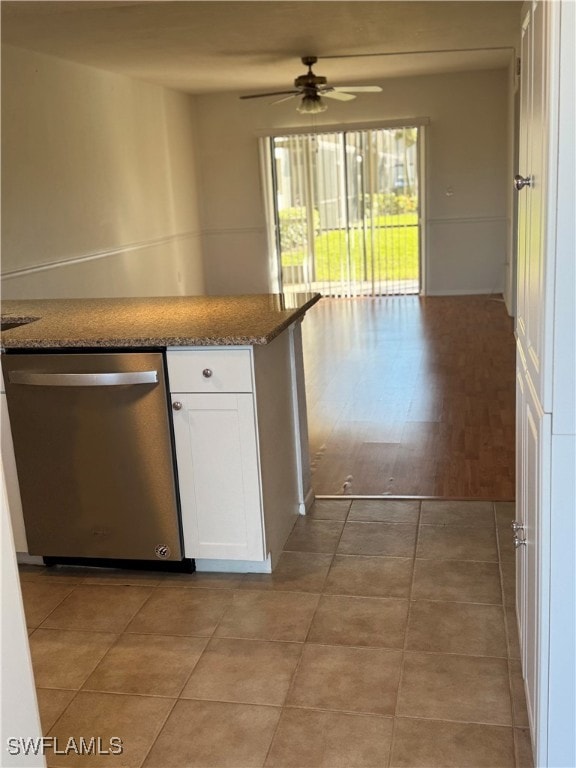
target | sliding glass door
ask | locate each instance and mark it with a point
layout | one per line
(347, 211)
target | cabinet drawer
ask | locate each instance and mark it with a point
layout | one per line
(227, 370)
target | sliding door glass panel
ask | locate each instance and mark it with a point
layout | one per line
(347, 211)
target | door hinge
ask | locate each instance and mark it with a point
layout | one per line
(518, 67)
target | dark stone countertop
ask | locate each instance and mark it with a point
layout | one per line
(173, 321)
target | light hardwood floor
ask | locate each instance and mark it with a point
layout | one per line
(411, 396)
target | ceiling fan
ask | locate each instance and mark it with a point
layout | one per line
(313, 88)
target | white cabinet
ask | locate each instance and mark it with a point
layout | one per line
(534, 441)
(546, 368)
(11, 478)
(240, 436)
(218, 476)
(534, 272)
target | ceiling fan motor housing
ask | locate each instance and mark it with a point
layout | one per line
(309, 80)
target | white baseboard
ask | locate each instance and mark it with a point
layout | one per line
(234, 566)
(23, 558)
(466, 292)
(308, 501)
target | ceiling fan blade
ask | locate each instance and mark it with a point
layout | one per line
(272, 93)
(358, 88)
(287, 98)
(338, 95)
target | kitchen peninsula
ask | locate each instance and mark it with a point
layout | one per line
(235, 395)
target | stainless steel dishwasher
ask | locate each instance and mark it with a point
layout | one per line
(93, 446)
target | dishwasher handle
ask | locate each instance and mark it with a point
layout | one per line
(33, 378)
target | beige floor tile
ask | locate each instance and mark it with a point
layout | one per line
(261, 615)
(505, 513)
(506, 549)
(311, 535)
(369, 621)
(120, 576)
(457, 542)
(384, 511)
(31, 572)
(454, 580)
(347, 679)
(98, 608)
(520, 712)
(370, 576)
(523, 744)
(463, 688)
(509, 583)
(51, 703)
(181, 611)
(208, 734)
(512, 631)
(203, 580)
(471, 513)
(381, 539)
(41, 598)
(327, 509)
(136, 720)
(64, 658)
(466, 628)
(330, 740)
(295, 572)
(154, 665)
(244, 671)
(438, 744)
(56, 574)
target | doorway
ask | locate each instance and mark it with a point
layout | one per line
(347, 211)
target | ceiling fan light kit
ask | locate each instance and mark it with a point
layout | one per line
(311, 104)
(311, 88)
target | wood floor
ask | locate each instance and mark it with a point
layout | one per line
(411, 396)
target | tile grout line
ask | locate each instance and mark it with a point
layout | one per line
(320, 595)
(299, 662)
(404, 648)
(507, 632)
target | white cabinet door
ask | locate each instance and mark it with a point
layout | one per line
(533, 505)
(217, 461)
(11, 479)
(535, 273)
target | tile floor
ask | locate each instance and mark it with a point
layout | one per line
(385, 637)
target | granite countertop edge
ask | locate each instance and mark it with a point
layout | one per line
(42, 317)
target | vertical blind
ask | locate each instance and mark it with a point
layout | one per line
(347, 211)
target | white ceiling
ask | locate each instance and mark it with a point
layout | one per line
(220, 46)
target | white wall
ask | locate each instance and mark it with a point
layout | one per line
(19, 716)
(99, 193)
(467, 151)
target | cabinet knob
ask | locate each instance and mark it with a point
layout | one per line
(207, 373)
(522, 181)
(177, 405)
